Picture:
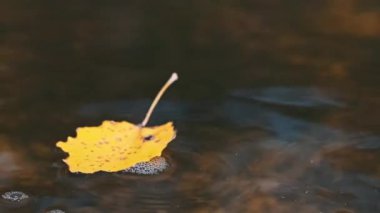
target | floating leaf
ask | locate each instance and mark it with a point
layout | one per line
(115, 146)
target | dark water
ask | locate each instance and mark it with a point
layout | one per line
(277, 106)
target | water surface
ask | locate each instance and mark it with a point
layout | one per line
(276, 107)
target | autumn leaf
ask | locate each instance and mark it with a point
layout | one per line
(115, 146)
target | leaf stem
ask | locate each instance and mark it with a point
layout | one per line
(171, 80)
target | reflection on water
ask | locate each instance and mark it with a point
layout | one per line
(298, 96)
(276, 108)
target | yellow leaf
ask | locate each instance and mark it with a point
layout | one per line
(115, 146)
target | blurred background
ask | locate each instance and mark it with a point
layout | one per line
(276, 105)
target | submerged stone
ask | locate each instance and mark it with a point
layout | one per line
(152, 167)
(15, 196)
(55, 211)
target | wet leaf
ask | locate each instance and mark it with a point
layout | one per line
(115, 146)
